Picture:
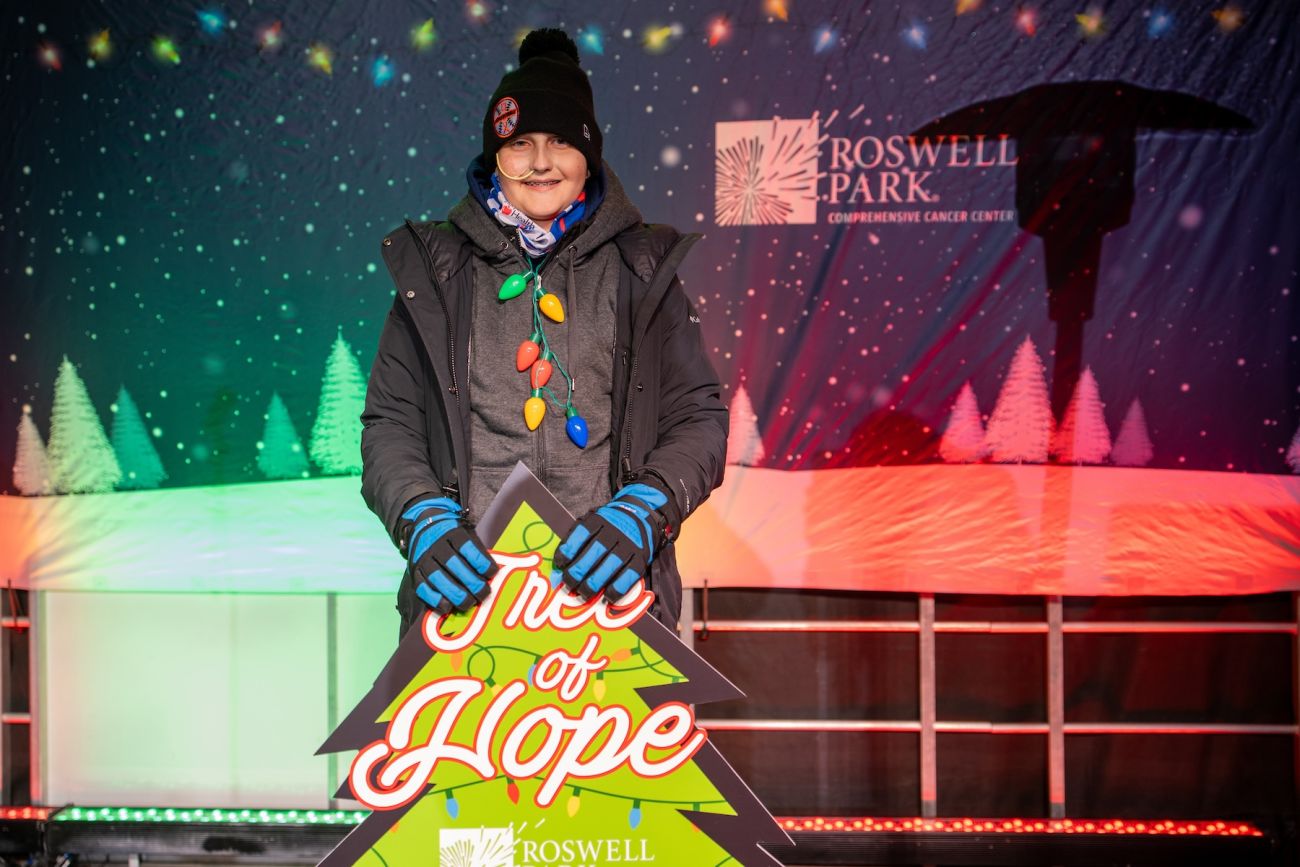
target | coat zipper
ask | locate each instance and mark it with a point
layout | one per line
(453, 490)
(626, 463)
(627, 424)
(446, 313)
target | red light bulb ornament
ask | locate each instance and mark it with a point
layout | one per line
(575, 426)
(541, 371)
(528, 352)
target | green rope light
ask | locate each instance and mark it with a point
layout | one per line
(176, 815)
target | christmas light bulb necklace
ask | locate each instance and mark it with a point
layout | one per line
(535, 356)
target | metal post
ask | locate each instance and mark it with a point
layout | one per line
(928, 744)
(6, 761)
(332, 688)
(1295, 692)
(35, 693)
(1055, 708)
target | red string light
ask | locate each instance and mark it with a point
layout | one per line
(33, 814)
(1148, 827)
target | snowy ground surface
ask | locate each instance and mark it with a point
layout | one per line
(969, 529)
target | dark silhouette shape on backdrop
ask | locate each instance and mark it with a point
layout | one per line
(1076, 145)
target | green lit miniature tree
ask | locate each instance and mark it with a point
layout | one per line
(279, 453)
(336, 435)
(141, 466)
(80, 457)
(31, 468)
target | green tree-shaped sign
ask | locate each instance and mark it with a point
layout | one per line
(538, 729)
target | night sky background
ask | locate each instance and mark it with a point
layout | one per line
(198, 227)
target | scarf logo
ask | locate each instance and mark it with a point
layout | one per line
(505, 117)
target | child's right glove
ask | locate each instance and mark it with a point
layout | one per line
(451, 567)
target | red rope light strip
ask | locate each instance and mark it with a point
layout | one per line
(1149, 827)
(34, 814)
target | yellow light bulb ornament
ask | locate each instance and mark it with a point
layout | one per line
(574, 803)
(551, 307)
(534, 409)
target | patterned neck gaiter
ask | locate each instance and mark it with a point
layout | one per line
(536, 240)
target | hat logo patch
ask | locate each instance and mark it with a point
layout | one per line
(505, 117)
(586, 133)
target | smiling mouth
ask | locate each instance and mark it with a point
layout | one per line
(540, 185)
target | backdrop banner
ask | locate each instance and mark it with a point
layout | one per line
(1002, 298)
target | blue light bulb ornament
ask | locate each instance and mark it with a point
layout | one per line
(453, 806)
(634, 815)
(575, 427)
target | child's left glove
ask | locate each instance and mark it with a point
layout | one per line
(611, 548)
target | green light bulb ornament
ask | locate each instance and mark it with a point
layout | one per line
(513, 287)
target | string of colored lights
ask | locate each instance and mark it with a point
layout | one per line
(634, 812)
(492, 660)
(1026, 21)
(800, 824)
(452, 805)
(639, 650)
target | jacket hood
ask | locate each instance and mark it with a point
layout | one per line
(613, 214)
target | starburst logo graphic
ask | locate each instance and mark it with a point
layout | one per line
(766, 172)
(476, 847)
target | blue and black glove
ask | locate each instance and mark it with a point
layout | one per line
(449, 565)
(611, 548)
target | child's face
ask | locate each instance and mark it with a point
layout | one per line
(558, 172)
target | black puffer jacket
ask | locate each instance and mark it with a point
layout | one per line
(669, 421)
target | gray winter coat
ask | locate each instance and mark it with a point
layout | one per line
(666, 418)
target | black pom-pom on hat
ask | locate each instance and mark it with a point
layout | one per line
(545, 41)
(549, 92)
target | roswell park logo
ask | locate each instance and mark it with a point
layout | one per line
(497, 847)
(779, 171)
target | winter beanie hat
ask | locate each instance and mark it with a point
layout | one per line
(548, 92)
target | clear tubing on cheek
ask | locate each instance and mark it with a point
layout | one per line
(527, 174)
